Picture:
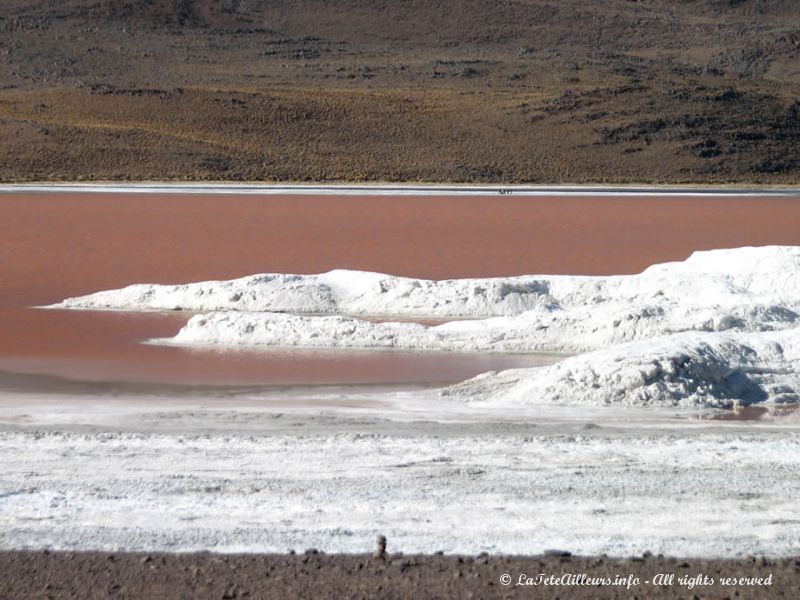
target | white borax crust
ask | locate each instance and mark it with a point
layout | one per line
(716, 329)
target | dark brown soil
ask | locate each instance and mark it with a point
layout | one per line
(28, 575)
(440, 90)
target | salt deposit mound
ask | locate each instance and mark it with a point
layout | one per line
(564, 314)
(718, 328)
(765, 275)
(710, 370)
(335, 292)
(557, 330)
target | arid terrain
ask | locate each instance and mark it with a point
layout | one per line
(314, 575)
(119, 457)
(463, 90)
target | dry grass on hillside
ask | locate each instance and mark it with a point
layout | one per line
(520, 91)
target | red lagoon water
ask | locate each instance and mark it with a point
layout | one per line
(65, 244)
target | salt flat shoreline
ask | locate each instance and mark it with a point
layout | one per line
(396, 189)
(131, 475)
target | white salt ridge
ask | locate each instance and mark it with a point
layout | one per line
(694, 368)
(335, 292)
(708, 370)
(572, 330)
(765, 275)
(714, 329)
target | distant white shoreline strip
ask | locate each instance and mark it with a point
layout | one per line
(393, 190)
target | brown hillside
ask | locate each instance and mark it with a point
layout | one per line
(457, 90)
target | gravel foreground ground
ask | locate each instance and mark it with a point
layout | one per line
(312, 575)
